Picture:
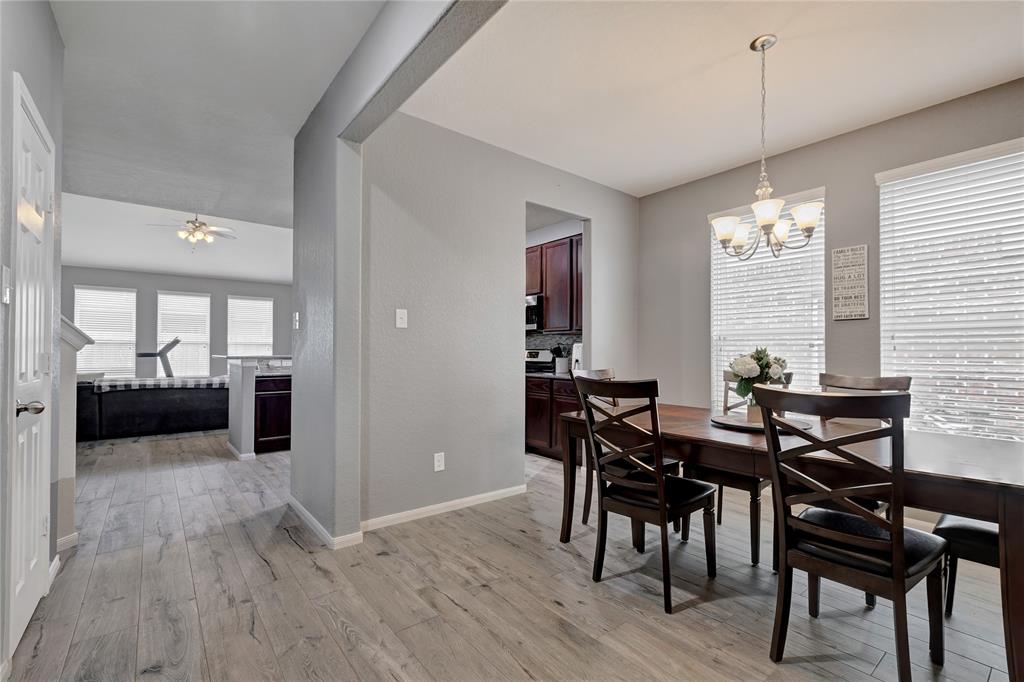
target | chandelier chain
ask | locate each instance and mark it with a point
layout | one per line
(764, 98)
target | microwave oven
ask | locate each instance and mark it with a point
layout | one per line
(534, 313)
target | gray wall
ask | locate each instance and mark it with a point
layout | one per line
(444, 237)
(30, 44)
(674, 280)
(148, 284)
(402, 48)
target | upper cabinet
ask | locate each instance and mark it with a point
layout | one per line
(557, 257)
(555, 270)
(534, 270)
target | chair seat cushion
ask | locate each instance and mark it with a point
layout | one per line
(970, 539)
(679, 492)
(922, 549)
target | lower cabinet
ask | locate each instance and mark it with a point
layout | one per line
(273, 414)
(546, 399)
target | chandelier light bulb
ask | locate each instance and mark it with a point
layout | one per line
(781, 230)
(725, 227)
(183, 234)
(806, 216)
(208, 237)
(767, 211)
(740, 237)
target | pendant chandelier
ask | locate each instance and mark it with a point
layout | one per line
(734, 235)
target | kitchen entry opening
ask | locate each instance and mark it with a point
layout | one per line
(555, 317)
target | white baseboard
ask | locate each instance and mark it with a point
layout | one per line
(332, 542)
(54, 569)
(67, 542)
(238, 455)
(440, 508)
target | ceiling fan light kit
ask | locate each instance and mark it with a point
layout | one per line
(734, 235)
(195, 231)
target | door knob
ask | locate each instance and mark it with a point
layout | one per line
(34, 407)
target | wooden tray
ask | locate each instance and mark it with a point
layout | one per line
(740, 423)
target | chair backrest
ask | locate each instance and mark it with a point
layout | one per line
(826, 381)
(624, 454)
(596, 375)
(862, 384)
(792, 468)
(729, 381)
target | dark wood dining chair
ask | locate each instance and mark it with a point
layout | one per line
(596, 375)
(857, 384)
(854, 546)
(631, 476)
(969, 539)
(752, 485)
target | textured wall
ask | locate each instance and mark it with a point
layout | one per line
(675, 337)
(444, 217)
(147, 284)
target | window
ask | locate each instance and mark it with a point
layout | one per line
(773, 302)
(250, 326)
(186, 316)
(951, 266)
(108, 316)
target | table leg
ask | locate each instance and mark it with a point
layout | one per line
(1011, 572)
(568, 479)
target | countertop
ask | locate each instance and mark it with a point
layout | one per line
(548, 375)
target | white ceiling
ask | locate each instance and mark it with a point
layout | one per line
(194, 105)
(100, 233)
(642, 96)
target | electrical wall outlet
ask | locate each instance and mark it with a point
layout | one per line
(401, 318)
(438, 461)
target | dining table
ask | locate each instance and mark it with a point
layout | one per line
(980, 478)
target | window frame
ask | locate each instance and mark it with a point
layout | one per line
(227, 318)
(96, 343)
(804, 380)
(953, 392)
(209, 331)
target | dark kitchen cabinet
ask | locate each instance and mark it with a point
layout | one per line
(557, 274)
(273, 414)
(534, 270)
(546, 399)
(563, 399)
(577, 296)
(538, 413)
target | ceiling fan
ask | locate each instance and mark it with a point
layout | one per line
(195, 230)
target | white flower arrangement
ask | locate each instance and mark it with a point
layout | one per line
(758, 367)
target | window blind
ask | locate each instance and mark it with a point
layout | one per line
(250, 326)
(951, 267)
(186, 316)
(773, 302)
(108, 316)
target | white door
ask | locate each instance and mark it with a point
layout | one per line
(32, 321)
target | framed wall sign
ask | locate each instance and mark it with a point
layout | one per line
(850, 283)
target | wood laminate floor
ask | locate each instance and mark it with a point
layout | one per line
(191, 566)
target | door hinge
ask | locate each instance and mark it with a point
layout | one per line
(5, 284)
(46, 526)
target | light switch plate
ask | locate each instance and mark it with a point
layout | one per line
(295, 321)
(401, 318)
(438, 461)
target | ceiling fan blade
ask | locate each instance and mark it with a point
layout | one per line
(225, 232)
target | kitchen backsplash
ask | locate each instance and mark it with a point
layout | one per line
(549, 341)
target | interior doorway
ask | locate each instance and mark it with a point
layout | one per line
(556, 320)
